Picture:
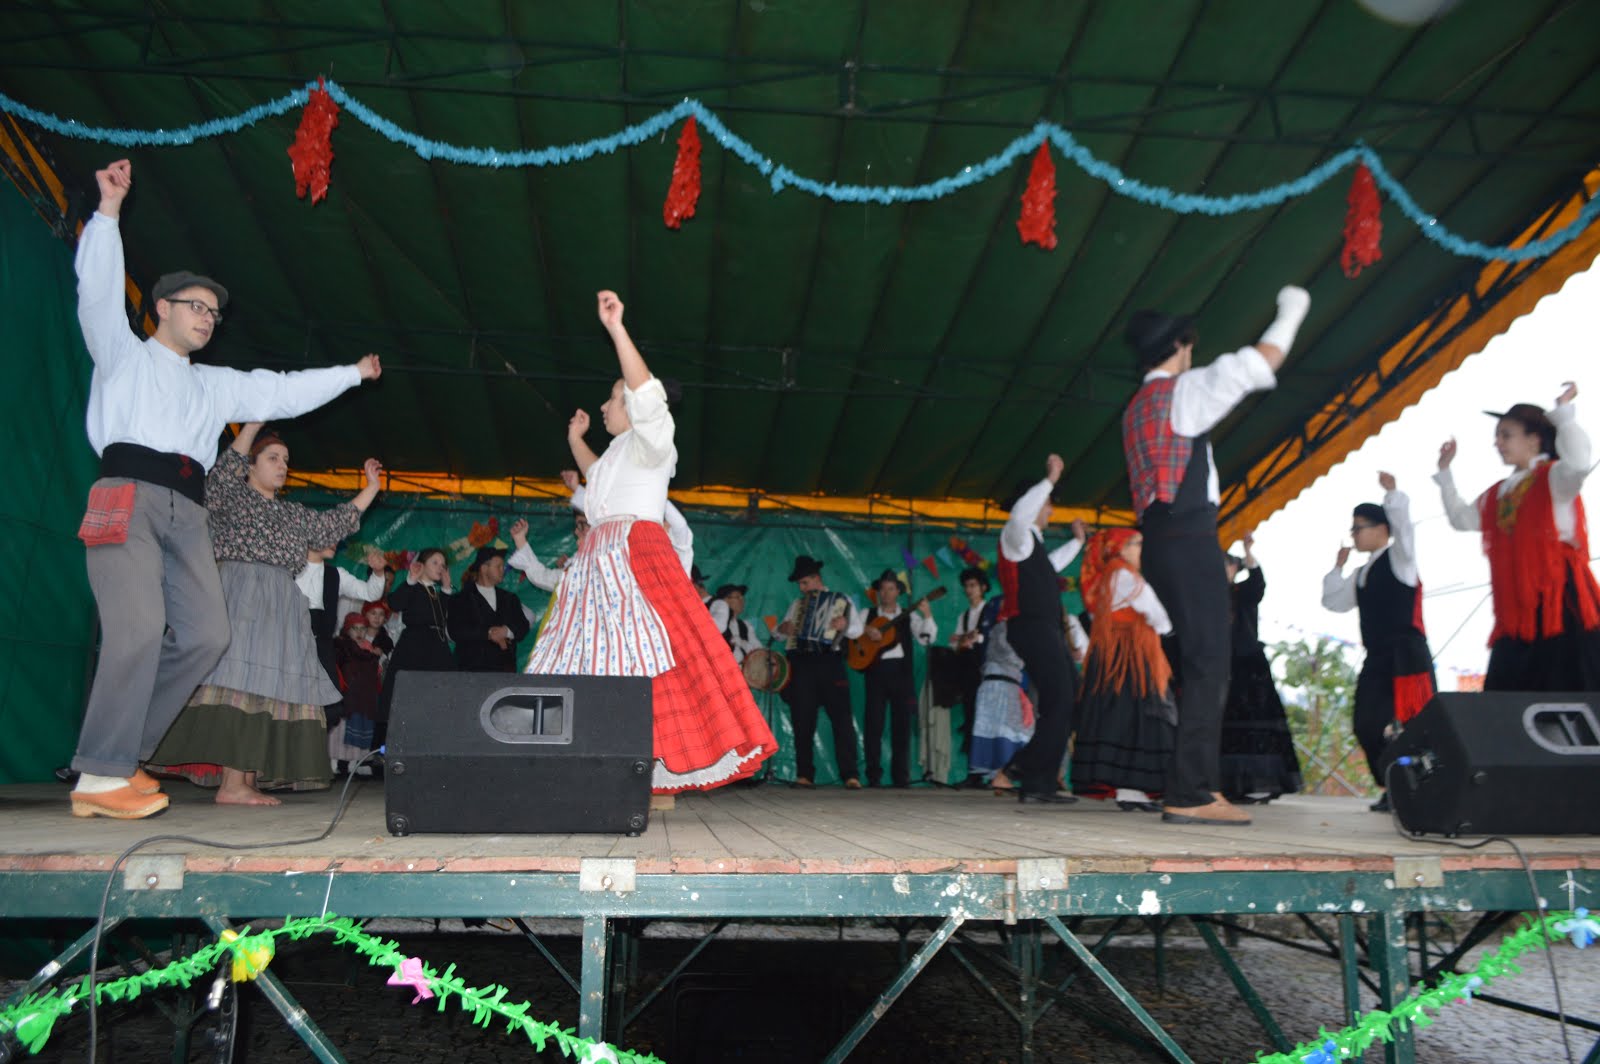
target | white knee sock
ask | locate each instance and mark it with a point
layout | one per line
(1293, 303)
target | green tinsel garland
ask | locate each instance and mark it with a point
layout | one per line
(1377, 1025)
(33, 1018)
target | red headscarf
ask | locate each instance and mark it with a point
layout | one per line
(1127, 651)
(1102, 557)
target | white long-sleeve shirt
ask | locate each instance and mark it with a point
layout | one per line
(1566, 478)
(1202, 397)
(1130, 591)
(630, 478)
(678, 532)
(350, 586)
(1019, 535)
(924, 630)
(857, 617)
(143, 392)
(539, 575)
(1339, 591)
(741, 644)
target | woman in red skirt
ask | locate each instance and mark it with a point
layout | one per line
(626, 606)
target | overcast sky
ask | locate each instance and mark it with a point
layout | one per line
(1556, 342)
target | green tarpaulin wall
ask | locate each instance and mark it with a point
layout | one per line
(48, 634)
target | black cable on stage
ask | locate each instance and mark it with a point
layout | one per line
(111, 878)
(1527, 870)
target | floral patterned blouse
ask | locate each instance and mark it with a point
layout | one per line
(246, 526)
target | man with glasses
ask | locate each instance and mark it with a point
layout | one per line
(154, 418)
(1397, 677)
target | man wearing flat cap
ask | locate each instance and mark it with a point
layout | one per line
(154, 418)
(1166, 441)
(486, 620)
(1546, 634)
(814, 630)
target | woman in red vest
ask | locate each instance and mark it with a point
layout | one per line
(1546, 602)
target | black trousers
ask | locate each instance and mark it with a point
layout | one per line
(1187, 574)
(1043, 649)
(1374, 711)
(890, 691)
(819, 680)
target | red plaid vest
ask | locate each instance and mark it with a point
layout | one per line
(1157, 457)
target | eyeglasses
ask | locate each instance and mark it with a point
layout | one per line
(200, 307)
(1360, 528)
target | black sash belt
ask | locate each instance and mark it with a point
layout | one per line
(179, 472)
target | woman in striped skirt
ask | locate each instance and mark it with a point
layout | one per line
(626, 606)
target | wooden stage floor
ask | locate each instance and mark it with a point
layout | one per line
(769, 829)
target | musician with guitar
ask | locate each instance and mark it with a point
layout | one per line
(814, 628)
(885, 647)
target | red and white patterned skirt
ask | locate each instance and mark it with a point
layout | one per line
(626, 608)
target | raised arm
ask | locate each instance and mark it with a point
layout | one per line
(1338, 590)
(1463, 515)
(102, 277)
(1572, 443)
(374, 471)
(634, 371)
(1016, 538)
(581, 454)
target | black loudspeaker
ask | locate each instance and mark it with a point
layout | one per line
(1499, 763)
(500, 752)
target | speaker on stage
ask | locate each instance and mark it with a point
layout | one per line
(1499, 763)
(498, 752)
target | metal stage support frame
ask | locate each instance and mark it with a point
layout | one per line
(1035, 907)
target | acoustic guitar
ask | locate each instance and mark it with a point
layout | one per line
(861, 652)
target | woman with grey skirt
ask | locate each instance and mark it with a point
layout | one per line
(258, 715)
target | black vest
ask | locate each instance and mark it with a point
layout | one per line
(1038, 590)
(1388, 607)
(324, 618)
(1191, 512)
(902, 629)
(737, 628)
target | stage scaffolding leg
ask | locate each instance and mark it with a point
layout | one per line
(1350, 967)
(1120, 992)
(1386, 949)
(593, 995)
(1241, 983)
(913, 968)
(48, 973)
(299, 1022)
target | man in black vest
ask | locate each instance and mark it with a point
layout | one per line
(727, 609)
(889, 678)
(1397, 677)
(485, 619)
(324, 584)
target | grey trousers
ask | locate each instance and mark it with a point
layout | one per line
(163, 626)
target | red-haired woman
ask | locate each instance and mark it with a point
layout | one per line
(1127, 719)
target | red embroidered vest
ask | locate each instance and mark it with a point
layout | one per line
(1157, 457)
(1529, 563)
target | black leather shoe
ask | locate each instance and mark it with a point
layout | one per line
(1049, 798)
(1382, 804)
(1138, 807)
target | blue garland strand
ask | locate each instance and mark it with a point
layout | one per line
(782, 177)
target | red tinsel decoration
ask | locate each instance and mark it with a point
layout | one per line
(311, 154)
(1037, 222)
(684, 191)
(1363, 228)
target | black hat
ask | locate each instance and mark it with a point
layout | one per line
(169, 283)
(804, 565)
(1152, 335)
(889, 575)
(974, 573)
(727, 589)
(1371, 513)
(485, 553)
(695, 575)
(1533, 419)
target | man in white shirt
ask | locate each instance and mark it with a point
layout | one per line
(154, 417)
(727, 610)
(889, 683)
(1166, 441)
(1036, 629)
(1396, 678)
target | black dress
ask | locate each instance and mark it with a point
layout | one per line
(1258, 756)
(424, 644)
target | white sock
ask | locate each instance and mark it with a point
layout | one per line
(90, 784)
(1130, 794)
(1293, 304)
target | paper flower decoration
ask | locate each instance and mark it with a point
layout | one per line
(410, 974)
(1581, 930)
(250, 957)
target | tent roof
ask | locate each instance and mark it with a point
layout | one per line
(913, 350)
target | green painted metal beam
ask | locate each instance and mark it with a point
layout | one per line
(891, 994)
(1386, 949)
(594, 994)
(1120, 992)
(47, 974)
(299, 1021)
(1241, 983)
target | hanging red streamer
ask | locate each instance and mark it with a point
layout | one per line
(1363, 227)
(684, 191)
(311, 154)
(1037, 222)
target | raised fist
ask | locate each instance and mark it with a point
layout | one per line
(115, 182)
(1568, 394)
(569, 477)
(519, 532)
(578, 427)
(1447, 454)
(370, 368)
(1386, 481)
(1053, 467)
(610, 308)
